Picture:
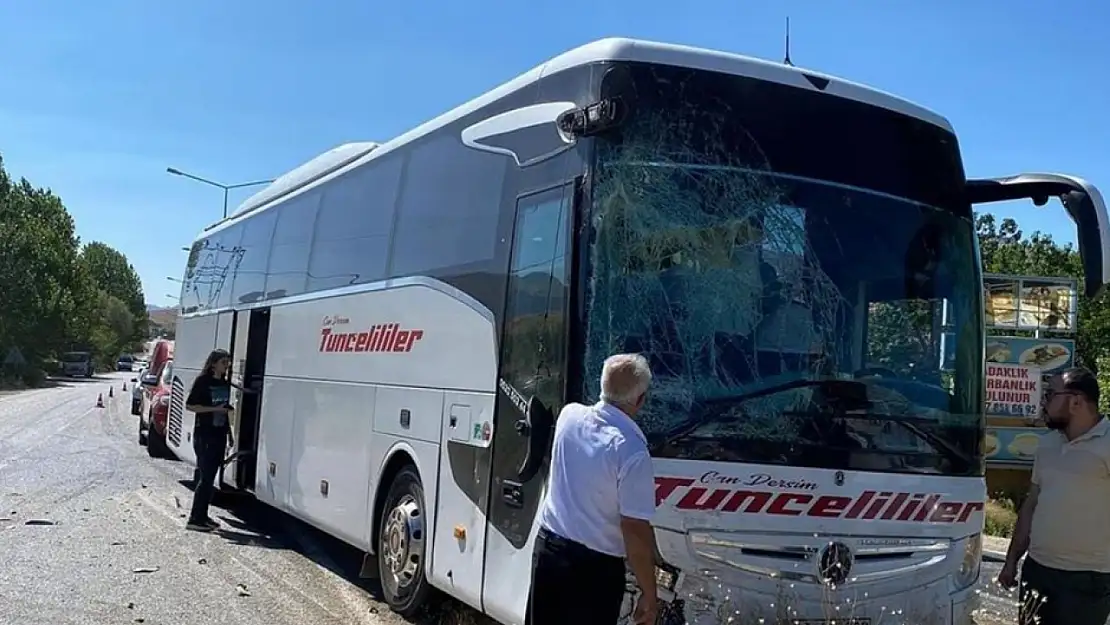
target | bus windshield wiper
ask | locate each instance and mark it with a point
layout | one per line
(946, 448)
(836, 389)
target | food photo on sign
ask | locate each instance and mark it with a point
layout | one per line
(1017, 303)
(1049, 355)
(1011, 444)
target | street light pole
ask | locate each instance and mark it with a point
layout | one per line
(219, 185)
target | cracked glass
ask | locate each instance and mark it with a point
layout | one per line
(784, 258)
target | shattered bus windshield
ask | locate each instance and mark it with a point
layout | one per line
(792, 306)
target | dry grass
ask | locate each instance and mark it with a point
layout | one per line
(163, 319)
(1001, 515)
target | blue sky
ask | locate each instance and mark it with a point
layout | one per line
(98, 98)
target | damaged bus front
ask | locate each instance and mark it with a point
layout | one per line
(789, 255)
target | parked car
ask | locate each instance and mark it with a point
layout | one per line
(137, 394)
(77, 364)
(152, 420)
(125, 363)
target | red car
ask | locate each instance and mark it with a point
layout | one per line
(157, 385)
(152, 424)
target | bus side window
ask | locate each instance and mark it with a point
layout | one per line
(535, 325)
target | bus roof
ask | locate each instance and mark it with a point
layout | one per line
(351, 155)
(318, 167)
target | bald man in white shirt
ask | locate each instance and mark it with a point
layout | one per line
(598, 509)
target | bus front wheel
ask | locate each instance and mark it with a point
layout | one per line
(401, 542)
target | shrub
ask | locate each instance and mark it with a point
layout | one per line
(1001, 516)
(34, 377)
(10, 382)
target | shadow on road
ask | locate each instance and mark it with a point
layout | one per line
(64, 382)
(254, 524)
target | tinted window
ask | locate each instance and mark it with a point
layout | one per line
(759, 124)
(449, 208)
(227, 263)
(534, 354)
(288, 266)
(189, 300)
(250, 277)
(213, 269)
(352, 231)
(196, 276)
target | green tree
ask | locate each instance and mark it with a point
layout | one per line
(38, 259)
(110, 271)
(53, 297)
(112, 329)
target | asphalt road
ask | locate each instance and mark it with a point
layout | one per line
(92, 532)
(996, 604)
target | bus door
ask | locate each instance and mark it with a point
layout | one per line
(248, 366)
(531, 388)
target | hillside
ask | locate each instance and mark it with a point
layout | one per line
(162, 320)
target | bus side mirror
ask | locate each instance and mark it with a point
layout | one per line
(150, 380)
(1081, 200)
(528, 135)
(538, 426)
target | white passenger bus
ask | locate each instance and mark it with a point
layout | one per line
(788, 249)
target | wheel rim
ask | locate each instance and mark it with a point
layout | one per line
(402, 545)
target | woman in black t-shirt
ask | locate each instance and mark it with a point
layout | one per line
(210, 400)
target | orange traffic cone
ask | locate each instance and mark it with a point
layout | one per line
(110, 392)
(99, 400)
(125, 387)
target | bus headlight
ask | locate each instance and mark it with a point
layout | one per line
(968, 572)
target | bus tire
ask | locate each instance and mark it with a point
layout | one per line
(401, 545)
